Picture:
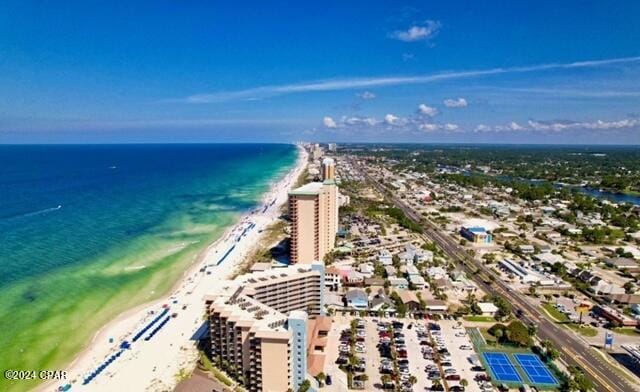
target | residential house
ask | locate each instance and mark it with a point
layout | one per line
(333, 279)
(391, 271)
(412, 255)
(410, 300)
(385, 257)
(399, 283)
(366, 269)
(357, 299)
(436, 272)
(526, 249)
(382, 302)
(435, 306)
(622, 263)
(418, 282)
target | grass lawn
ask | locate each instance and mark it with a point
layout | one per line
(627, 331)
(555, 313)
(480, 318)
(487, 337)
(584, 329)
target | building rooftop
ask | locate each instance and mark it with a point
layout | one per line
(236, 302)
(487, 307)
(253, 313)
(357, 295)
(310, 189)
(408, 296)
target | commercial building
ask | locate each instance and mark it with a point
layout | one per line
(313, 209)
(477, 235)
(526, 275)
(614, 316)
(259, 323)
(487, 308)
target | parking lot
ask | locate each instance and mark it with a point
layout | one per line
(394, 353)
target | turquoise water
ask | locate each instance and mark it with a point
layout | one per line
(89, 231)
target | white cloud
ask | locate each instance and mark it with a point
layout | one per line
(419, 32)
(428, 127)
(391, 119)
(356, 83)
(560, 126)
(450, 127)
(366, 121)
(456, 103)
(329, 122)
(515, 126)
(428, 111)
(367, 95)
(433, 127)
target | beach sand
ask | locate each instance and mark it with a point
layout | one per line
(154, 365)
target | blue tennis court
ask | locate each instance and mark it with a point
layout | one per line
(537, 371)
(502, 367)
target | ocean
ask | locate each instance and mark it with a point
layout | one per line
(88, 231)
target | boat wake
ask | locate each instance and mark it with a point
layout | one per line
(34, 213)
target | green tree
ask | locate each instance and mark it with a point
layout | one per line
(305, 386)
(504, 307)
(550, 350)
(519, 333)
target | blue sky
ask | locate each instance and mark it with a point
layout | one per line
(170, 71)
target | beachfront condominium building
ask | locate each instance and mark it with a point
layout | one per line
(258, 326)
(328, 169)
(313, 209)
(316, 152)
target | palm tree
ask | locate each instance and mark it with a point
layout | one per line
(464, 382)
(413, 380)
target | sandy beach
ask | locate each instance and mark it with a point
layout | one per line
(154, 364)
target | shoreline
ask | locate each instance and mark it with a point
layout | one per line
(185, 297)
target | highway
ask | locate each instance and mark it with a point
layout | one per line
(573, 350)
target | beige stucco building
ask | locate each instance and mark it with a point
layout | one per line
(328, 169)
(313, 209)
(258, 325)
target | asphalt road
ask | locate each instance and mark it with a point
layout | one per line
(572, 350)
